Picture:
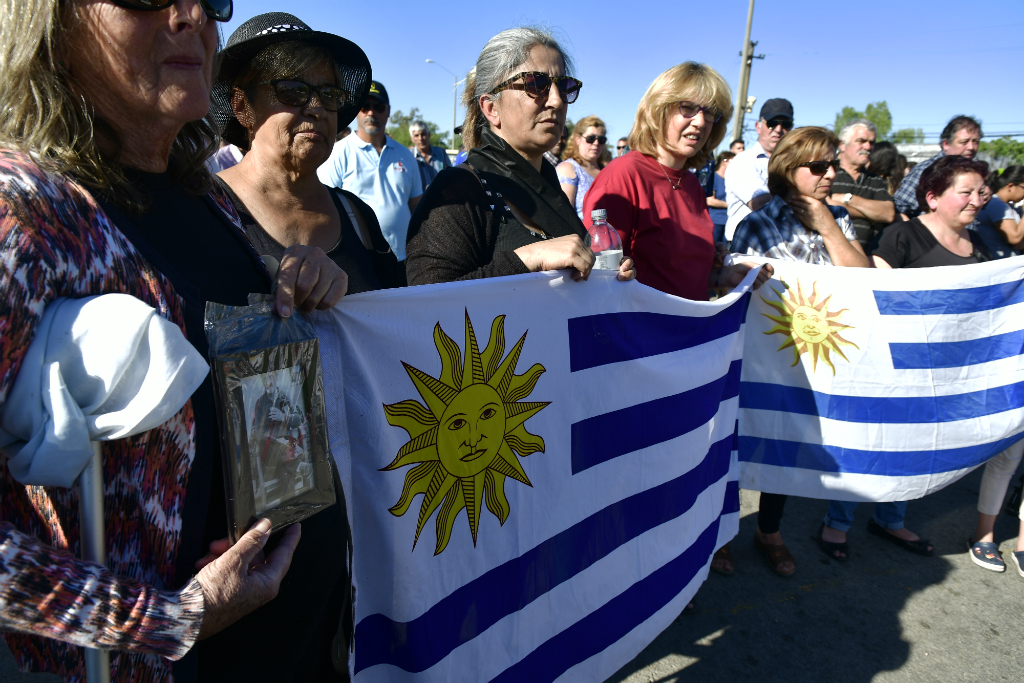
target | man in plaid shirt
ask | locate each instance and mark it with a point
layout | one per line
(960, 137)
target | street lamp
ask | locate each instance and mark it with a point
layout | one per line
(455, 98)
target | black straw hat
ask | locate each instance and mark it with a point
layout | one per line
(278, 27)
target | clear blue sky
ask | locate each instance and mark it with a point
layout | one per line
(928, 60)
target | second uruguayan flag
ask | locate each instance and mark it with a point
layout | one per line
(538, 470)
(879, 385)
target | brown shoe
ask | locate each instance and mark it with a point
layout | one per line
(776, 555)
(722, 555)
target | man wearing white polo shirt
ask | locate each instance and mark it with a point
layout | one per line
(380, 171)
(746, 179)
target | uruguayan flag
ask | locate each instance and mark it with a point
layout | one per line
(538, 470)
(880, 385)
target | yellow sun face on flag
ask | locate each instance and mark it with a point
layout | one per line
(809, 326)
(469, 436)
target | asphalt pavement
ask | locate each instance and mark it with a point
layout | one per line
(885, 615)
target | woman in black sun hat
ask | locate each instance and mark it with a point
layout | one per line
(281, 92)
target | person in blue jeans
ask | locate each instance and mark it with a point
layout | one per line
(717, 206)
(949, 192)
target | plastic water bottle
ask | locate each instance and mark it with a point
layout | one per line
(604, 241)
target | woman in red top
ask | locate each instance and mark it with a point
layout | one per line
(655, 201)
(652, 198)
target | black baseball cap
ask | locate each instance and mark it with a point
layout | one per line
(378, 92)
(777, 107)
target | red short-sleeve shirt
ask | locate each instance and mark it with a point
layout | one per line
(667, 232)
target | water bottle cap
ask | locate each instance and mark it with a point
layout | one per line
(598, 214)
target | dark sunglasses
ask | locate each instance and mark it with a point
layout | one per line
(621, 147)
(218, 10)
(299, 93)
(536, 84)
(690, 109)
(601, 139)
(785, 123)
(377, 106)
(821, 167)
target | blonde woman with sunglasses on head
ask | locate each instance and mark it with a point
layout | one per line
(585, 156)
(503, 212)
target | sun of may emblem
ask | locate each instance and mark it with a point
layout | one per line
(809, 326)
(465, 441)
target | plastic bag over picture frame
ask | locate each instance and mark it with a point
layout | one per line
(270, 408)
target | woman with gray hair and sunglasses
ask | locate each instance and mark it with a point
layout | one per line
(104, 189)
(503, 212)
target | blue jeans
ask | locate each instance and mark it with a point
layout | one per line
(887, 515)
(719, 233)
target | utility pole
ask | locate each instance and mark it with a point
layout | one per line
(741, 95)
(455, 100)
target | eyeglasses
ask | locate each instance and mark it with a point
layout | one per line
(601, 139)
(299, 93)
(536, 84)
(821, 167)
(779, 121)
(218, 10)
(620, 147)
(690, 109)
(377, 106)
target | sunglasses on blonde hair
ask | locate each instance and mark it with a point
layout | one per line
(218, 10)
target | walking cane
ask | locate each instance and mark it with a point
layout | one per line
(94, 546)
(132, 369)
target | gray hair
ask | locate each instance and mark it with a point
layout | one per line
(417, 125)
(846, 132)
(499, 59)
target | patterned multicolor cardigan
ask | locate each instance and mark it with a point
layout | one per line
(56, 241)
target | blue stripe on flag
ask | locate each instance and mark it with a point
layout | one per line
(881, 410)
(956, 354)
(732, 498)
(596, 340)
(837, 459)
(470, 610)
(616, 618)
(601, 438)
(950, 301)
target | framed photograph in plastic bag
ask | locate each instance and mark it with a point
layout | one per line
(270, 407)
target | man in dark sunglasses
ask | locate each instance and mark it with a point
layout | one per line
(622, 147)
(379, 170)
(746, 180)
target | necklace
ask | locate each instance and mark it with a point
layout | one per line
(675, 184)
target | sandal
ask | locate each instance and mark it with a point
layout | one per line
(722, 554)
(986, 556)
(1018, 559)
(775, 554)
(918, 547)
(830, 548)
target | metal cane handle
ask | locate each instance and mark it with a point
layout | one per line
(94, 547)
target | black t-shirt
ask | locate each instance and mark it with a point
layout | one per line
(912, 245)
(367, 269)
(207, 259)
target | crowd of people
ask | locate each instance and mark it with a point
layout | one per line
(139, 156)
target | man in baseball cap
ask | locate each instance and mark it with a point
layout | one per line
(377, 169)
(746, 179)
